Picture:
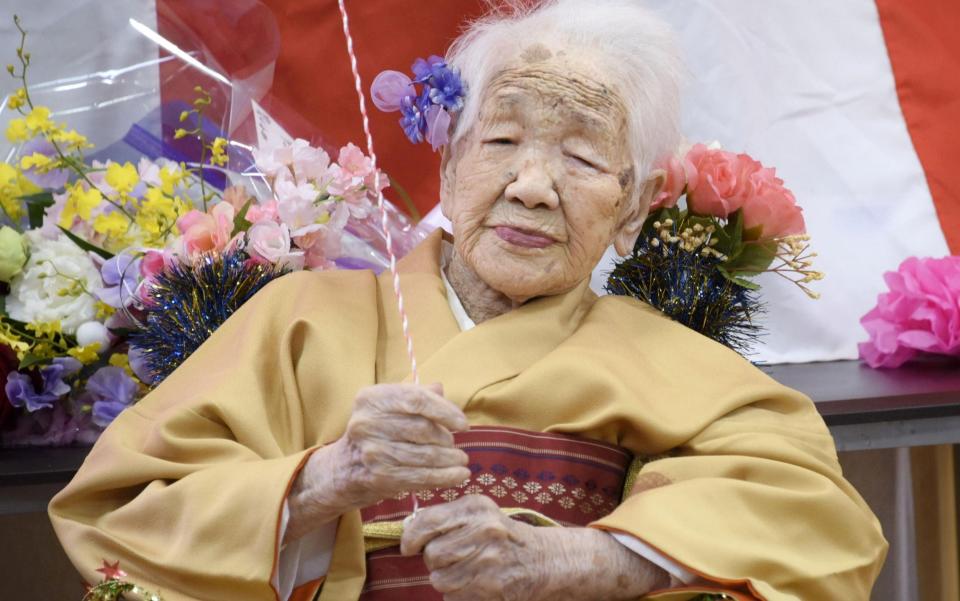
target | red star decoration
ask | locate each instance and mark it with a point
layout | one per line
(111, 571)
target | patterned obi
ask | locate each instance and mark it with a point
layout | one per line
(542, 478)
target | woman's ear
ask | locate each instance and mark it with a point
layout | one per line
(448, 180)
(626, 237)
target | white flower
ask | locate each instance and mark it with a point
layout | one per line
(53, 283)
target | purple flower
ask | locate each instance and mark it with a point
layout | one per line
(21, 392)
(423, 70)
(389, 89)
(140, 365)
(437, 122)
(53, 179)
(446, 89)
(121, 275)
(112, 391)
(413, 121)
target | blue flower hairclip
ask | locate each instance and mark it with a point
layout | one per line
(425, 114)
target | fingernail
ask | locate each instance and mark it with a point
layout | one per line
(436, 387)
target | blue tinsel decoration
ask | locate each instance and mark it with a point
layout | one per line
(687, 287)
(188, 301)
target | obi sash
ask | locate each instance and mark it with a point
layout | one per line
(541, 478)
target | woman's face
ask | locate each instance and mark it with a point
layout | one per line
(543, 183)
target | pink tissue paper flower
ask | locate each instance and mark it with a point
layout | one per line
(920, 313)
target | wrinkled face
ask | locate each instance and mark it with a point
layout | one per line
(543, 183)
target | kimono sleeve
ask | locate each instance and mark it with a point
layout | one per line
(186, 489)
(756, 502)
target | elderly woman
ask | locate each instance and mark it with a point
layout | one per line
(282, 454)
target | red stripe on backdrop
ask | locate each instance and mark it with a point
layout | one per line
(924, 49)
(313, 71)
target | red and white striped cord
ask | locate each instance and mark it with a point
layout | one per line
(383, 213)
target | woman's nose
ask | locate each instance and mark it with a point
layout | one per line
(534, 186)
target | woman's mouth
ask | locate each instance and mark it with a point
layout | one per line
(524, 238)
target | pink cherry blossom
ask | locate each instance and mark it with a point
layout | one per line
(353, 162)
(308, 163)
(270, 241)
(722, 183)
(322, 241)
(262, 212)
(296, 204)
(920, 313)
(273, 160)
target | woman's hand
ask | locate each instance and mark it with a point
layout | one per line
(475, 553)
(398, 439)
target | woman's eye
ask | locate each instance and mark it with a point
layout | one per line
(501, 141)
(584, 162)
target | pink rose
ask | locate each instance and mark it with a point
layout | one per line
(722, 183)
(920, 313)
(153, 262)
(270, 241)
(202, 232)
(772, 210)
(679, 172)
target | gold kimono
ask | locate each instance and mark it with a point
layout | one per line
(186, 488)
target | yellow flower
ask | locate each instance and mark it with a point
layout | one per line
(85, 354)
(170, 178)
(11, 339)
(39, 121)
(104, 311)
(80, 203)
(46, 329)
(17, 130)
(41, 162)
(13, 185)
(122, 178)
(111, 225)
(122, 361)
(179, 133)
(71, 139)
(17, 99)
(218, 155)
(158, 215)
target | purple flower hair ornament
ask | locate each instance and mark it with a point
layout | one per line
(426, 114)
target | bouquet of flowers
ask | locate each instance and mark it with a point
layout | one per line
(695, 261)
(113, 272)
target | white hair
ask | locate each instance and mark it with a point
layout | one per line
(635, 47)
